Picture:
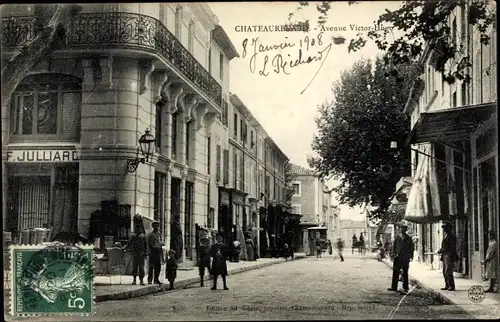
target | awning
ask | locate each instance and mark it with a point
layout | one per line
(423, 201)
(452, 123)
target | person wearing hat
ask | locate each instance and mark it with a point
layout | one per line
(491, 261)
(171, 268)
(138, 244)
(449, 256)
(203, 257)
(219, 253)
(403, 249)
(155, 254)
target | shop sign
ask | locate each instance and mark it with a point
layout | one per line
(42, 156)
(224, 198)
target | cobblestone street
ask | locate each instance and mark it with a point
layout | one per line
(310, 288)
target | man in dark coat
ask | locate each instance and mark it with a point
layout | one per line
(171, 268)
(203, 257)
(219, 254)
(402, 249)
(449, 256)
(155, 254)
(139, 246)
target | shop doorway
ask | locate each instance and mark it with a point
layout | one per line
(488, 201)
(188, 221)
(224, 223)
(176, 240)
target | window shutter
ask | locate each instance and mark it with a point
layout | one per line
(217, 171)
(226, 166)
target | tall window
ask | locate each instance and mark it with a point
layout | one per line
(210, 60)
(191, 32)
(188, 141)
(464, 93)
(242, 173)
(235, 126)
(37, 106)
(218, 165)
(296, 189)
(178, 22)
(174, 134)
(209, 150)
(221, 66)
(454, 99)
(162, 15)
(242, 129)
(463, 23)
(158, 126)
(235, 170)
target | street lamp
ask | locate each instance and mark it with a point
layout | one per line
(146, 147)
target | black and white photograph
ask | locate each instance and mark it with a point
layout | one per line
(238, 161)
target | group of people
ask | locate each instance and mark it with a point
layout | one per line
(403, 250)
(211, 257)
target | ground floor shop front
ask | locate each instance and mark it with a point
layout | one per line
(461, 183)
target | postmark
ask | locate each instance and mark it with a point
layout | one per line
(54, 279)
(476, 294)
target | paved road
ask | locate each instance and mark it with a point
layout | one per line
(304, 289)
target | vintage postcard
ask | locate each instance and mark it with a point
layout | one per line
(327, 160)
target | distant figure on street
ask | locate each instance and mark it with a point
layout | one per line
(250, 247)
(362, 243)
(329, 245)
(219, 254)
(491, 261)
(340, 248)
(318, 248)
(236, 250)
(354, 243)
(171, 269)
(449, 256)
(155, 254)
(403, 253)
(138, 244)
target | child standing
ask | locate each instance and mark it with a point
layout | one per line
(171, 269)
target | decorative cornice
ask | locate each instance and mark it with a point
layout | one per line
(221, 37)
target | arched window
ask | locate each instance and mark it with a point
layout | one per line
(43, 106)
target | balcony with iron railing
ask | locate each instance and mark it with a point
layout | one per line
(118, 30)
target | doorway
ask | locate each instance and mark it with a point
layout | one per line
(488, 195)
(224, 223)
(175, 220)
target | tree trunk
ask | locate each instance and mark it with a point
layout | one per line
(19, 65)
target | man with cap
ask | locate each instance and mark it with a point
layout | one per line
(139, 246)
(449, 256)
(403, 249)
(491, 261)
(155, 254)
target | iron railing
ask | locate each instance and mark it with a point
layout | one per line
(115, 29)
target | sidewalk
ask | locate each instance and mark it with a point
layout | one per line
(120, 287)
(432, 280)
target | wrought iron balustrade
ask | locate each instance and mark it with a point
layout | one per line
(116, 29)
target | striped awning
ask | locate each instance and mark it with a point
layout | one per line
(423, 200)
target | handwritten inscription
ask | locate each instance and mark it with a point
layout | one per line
(264, 59)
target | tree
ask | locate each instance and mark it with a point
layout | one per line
(423, 23)
(289, 176)
(355, 131)
(51, 22)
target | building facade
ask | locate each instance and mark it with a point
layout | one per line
(455, 150)
(71, 131)
(313, 203)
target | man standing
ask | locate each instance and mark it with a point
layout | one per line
(449, 256)
(340, 247)
(139, 246)
(155, 254)
(402, 249)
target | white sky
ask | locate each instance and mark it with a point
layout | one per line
(276, 100)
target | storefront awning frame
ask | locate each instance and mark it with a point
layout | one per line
(450, 124)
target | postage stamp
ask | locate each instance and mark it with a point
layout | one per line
(54, 279)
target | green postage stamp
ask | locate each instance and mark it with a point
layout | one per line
(55, 279)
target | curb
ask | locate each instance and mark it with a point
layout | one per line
(152, 289)
(444, 299)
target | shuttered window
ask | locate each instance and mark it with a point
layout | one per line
(226, 166)
(217, 170)
(33, 201)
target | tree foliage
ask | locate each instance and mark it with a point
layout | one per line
(289, 177)
(425, 23)
(355, 132)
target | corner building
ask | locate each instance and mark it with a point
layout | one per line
(76, 119)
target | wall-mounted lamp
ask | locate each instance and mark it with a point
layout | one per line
(146, 147)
